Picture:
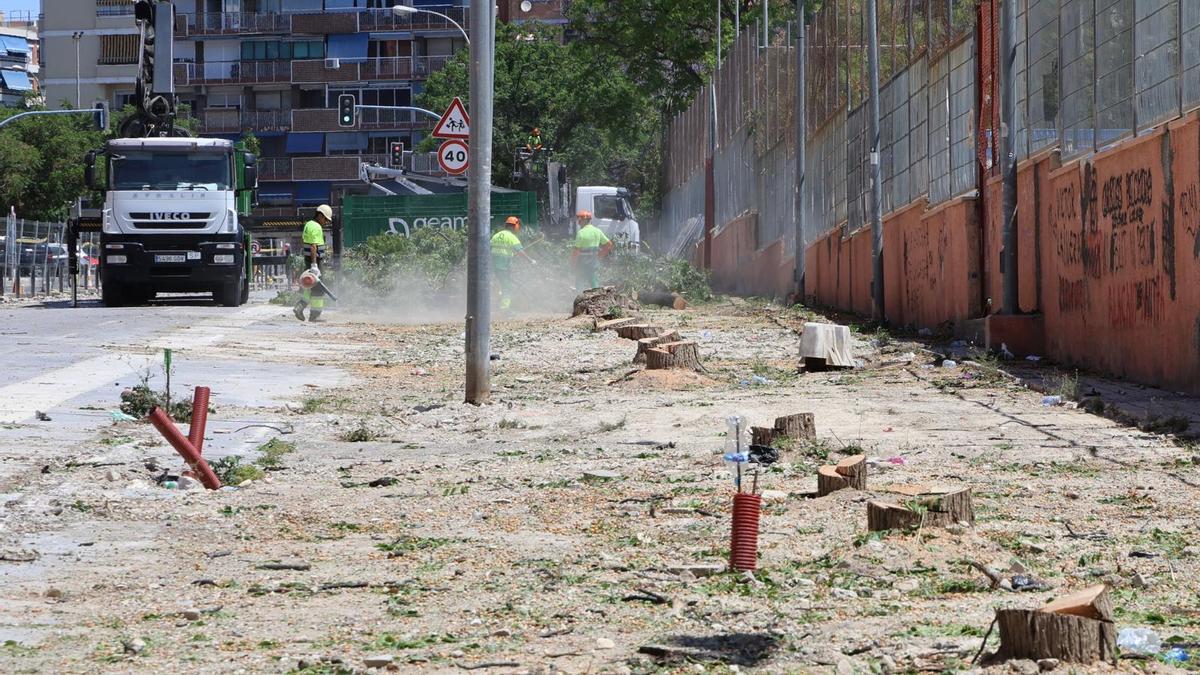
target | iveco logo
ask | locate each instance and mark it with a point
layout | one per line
(169, 215)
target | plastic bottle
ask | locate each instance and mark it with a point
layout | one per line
(949, 364)
(737, 445)
(1050, 401)
(1175, 655)
(1141, 641)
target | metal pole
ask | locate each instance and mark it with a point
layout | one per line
(78, 95)
(766, 23)
(710, 183)
(479, 208)
(737, 19)
(718, 37)
(1008, 122)
(876, 170)
(801, 142)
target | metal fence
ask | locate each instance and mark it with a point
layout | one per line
(34, 259)
(1088, 73)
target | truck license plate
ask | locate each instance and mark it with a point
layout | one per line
(169, 258)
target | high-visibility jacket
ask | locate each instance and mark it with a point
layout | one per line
(589, 239)
(505, 245)
(313, 234)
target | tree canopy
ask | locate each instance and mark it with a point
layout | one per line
(592, 117)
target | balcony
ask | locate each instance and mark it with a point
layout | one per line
(333, 167)
(325, 119)
(224, 120)
(375, 20)
(233, 72)
(232, 23)
(320, 71)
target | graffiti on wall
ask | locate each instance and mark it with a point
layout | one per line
(1136, 303)
(1189, 208)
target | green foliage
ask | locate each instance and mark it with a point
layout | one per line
(420, 264)
(592, 116)
(139, 400)
(632, 272)
(41, 162)
(270, 454)
(231, 471)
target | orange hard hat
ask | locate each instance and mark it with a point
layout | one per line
(583, 213)
(514, 221)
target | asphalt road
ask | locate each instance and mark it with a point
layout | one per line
(73, 363)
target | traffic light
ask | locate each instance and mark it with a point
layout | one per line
(397, 155)
(346, 110)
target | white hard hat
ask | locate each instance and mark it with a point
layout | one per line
(325, 211)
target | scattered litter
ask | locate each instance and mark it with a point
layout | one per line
(1033, 357)
(118, 416)
(1023, 582)
(419, 372)
(1175, 655)
(297, 565)
(1050, 401)
(428, 406)
(1004, 353)
(924, 332)
(948, 363)
(759, 380)
(705, 334)
(888, 429)
(1139, 641)
(897, 460)
(41, 416)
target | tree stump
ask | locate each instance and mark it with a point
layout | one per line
(762, 435)
(1077, 628)
(851, 472)
(637, 331)
(662, 299)
(921, 507)
(673, 355)
(601, 302)
(798, 427)
(613, 324)
(649, 342)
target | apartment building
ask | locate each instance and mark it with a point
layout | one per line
(19, 57)
(272, 67)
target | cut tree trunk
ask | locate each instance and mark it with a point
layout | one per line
(1077, 628)
(649, 342)
(930, 507)
(762, 435)
(798, 427)
(637, 331)
(673, 355)
(830, 481)
(603, 301)
(613, 324)
(849, 473)
(662, 299)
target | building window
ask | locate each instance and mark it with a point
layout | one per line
(382, 145)
(117, 50)
(275, 50)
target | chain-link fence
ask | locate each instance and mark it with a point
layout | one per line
(34, 259)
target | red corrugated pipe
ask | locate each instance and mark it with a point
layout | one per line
(199, 419)
(184, 447)
(743, 545)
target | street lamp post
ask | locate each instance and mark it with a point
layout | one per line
(78, 37)
(405, 10)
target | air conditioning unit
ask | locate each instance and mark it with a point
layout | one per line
(333, 64)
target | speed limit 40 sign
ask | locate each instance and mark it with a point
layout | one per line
(452, 156)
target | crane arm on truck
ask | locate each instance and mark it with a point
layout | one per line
(154, 90)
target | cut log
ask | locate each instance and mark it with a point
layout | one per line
(830, 481)
(762, 435)
(662, 299)
(604, 301)
(647, 343)
(681, 354)
(854, 470)
(798, 427)
(613, 324)
(1092, 602)
(923, 507)
(637, 331)
(1033, 634)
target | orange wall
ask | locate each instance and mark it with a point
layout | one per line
(1108, 252)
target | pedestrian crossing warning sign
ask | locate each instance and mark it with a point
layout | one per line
(454, 122)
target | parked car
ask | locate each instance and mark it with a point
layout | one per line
(44, 258)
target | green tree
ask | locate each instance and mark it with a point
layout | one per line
(592, 117)
(43, 162)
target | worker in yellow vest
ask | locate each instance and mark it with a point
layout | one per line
(506, 246)
(591, 244)
(313, 250)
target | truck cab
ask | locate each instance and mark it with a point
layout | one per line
(610, 212)
(170, 219)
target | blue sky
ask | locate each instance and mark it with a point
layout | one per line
(20, 5)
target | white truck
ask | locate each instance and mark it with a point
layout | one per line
(170, 220)
(609, 207)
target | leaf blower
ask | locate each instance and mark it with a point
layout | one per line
(312, 279)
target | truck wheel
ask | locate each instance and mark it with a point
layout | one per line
(230, 293)
(112, 294)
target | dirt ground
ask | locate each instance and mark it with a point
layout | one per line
(449, 537)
